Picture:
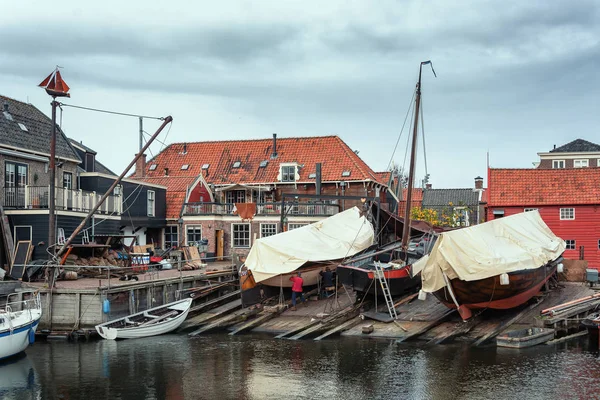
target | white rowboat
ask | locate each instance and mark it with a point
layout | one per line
(152, 322)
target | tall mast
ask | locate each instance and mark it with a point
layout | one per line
(413, 156)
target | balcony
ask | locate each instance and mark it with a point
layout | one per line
(262, 209)
(36, 197)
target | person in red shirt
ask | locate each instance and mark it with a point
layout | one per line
(297, 289)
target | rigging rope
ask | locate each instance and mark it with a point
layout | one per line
(111, 112)
(401, 130)
(423, 135)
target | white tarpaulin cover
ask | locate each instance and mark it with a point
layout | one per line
(341, 235)
(521, 241)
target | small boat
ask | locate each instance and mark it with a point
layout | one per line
(592, 324)
(152, 322)
(522, 338)
(18, 323)
(500, 264)
(359, 273)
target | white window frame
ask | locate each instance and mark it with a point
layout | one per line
(567, 214)
(189, 228)
(31, 231)
(462, 210)
(69, 184)
(296, 225)
(235, 240)
(567, 242)
(286, 175)
(264, 225)
(598, 162)
(151, 203)
(557, 164)
(529, 209)
(176, 233)
(583, 163)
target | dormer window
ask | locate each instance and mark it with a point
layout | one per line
(153, 167)
(558, 163)
(237, 164)
(346, 173)
(90, 162)
(184, 167)
(288, 173)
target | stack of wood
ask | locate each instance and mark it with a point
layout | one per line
(192, 258)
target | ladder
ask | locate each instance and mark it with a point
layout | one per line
(379, 275)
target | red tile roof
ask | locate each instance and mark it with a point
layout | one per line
(176, 191)
(529, 187)
(334, 155)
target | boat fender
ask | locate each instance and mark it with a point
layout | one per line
(106, 306)
(560, 268)
(504, 279)
(31, 336)
(422, 295)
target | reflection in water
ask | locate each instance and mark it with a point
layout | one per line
(260, 367)
(18, 379)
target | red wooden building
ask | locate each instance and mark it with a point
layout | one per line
(567, 199)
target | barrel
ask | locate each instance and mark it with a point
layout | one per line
(70, 275)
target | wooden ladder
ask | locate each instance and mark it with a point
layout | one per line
(380, 276)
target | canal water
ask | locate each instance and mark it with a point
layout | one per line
(260, 367)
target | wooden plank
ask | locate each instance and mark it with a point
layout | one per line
(463, 328)
(208, 316)
(336, 319)
(297, 329)
(505, 324)
(267, 315)
(340, 328)
(7, 239)
(20, 259)
(425, 327)
(565, 338)
(209, 304)
(227, 320)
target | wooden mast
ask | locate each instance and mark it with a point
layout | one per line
(413, 156)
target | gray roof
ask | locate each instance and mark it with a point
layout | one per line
(577, 146)
(442, 197)
(101, 168)
(39, 129)
(82, 146)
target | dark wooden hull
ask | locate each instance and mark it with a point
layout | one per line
(362, 279)
(592, 324)
(489, 293)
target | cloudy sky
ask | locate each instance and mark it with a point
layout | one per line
(514, 77)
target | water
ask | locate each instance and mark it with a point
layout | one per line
(260, 367)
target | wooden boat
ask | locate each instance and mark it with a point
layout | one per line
(491, 293)
(397, 265)
(522, 338)
(592, 324)
(18, 323)
(152, 322)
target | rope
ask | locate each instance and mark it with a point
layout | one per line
(423, 136)
(84, 311)
(111, 112)
(401, 130)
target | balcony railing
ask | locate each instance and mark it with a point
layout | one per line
(34, 197)
(302, 209)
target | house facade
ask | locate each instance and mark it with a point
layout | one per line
(576, 154)
(568, 199)
(209, 185)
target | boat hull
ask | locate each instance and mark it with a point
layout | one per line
(18, 324)
(17, 341)
(362, 279)
(310, 276)
(522, 338)
(489, 293)
(140, 331)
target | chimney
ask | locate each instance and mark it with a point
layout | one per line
(140, 166)
(478, 183)
(166, 171)
(184, 148)
(428, 186)
(554, 147)
(274, 154)
(5, 107)
(318, 179)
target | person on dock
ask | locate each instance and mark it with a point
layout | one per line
(327, 282)
(297, 290)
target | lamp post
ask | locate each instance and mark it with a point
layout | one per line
(55, 87)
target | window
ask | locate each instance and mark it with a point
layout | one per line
(15, 179)
(171, 237)
(90, 162)
(530, 209)
(268, 230)
(570, 244)
(567, 213)
(118, 190)
(288, 173)
(263, 164)
(151, 204)
(312, 176)
(241, 235)
(236, 196)
(462, 216)
(23, 127)
(185, 167)
(153, 167)
(346, 173)
(581, 163)
(558, 163)
(205, 166)
(67, 180)
(237, 164)
(194, 235)
(498, 213)
(598, 162)
(292, 226)
(22, 232)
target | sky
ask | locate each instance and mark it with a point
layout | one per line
(514, 78)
